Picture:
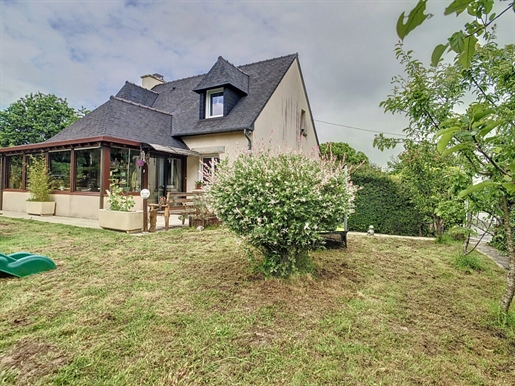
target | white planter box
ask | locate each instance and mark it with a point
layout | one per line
(41, 208)
(120, 221)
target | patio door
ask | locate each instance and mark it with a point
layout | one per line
(173, 175)
(165, 174)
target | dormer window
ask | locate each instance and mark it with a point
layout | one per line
(215, 103)
(221, 89)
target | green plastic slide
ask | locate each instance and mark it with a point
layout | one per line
(23, 264)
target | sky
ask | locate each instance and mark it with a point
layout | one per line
(85, 50)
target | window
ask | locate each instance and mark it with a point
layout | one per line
(60, 162)
(215, 103)
(124, 171)
(14, 171)
(88, 170)
(301, 128)
(208, 168)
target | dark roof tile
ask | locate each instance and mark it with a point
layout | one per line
(222, 74)
(171, 110)
(178, 98)
(118, 118)
(137, 94)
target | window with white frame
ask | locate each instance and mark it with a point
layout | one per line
(215, 103)
(208, 168)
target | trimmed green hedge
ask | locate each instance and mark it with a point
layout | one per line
(383, 203)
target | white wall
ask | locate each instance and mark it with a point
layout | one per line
(67, 205)
(277, 124)
(14, 201)
(277, 127)
(209, 145)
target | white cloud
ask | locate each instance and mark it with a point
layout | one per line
(85, 50)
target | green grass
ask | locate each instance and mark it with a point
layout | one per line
(470, 262)
(183, 308)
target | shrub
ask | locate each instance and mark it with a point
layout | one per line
(499, 239)
(383, 203)
(119, 200)
(39, 181)
(278, 204)
(469, 263)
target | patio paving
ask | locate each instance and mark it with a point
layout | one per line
(84, 222)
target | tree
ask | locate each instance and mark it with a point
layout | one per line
(278, 204)
(344, 152)
(431, 181)
(426, 96)
(463, 42)
(484, 135)
(35, 118)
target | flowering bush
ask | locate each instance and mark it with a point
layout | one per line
(278, 204)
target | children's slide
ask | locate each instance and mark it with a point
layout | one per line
(23, 264)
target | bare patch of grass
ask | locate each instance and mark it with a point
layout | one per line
(183, 308)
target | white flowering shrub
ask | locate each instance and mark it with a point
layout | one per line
(278, 204)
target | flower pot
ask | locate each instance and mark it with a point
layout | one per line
(205, 222)
(41, 208)
(120, 221)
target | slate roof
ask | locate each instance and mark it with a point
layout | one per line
(137, 94)
(119, 118)
(224, 73)
(178, 98)
(169, 111)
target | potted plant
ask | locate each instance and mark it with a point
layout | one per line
(39, 187)
(203, 215)
(120, 215)
(198, 184)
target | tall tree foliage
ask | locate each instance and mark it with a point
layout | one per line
(344, 152)
(433, 182)
(463, 42)
(484, 135)
(35, 118)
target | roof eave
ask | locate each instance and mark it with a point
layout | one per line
(214, 131)
(67, 143)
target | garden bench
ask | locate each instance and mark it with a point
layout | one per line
(177, 203)
(341, 236)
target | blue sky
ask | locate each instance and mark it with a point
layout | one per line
(84, 51)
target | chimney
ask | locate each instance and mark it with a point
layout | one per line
(150, 80)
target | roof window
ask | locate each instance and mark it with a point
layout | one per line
(215, 103)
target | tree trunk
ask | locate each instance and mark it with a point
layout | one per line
(468, 226)
(510, 282)
(438, 224)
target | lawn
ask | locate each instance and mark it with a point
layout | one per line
(183, 308)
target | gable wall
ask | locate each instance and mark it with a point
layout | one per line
(279, 121)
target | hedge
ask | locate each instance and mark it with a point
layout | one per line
(383, 203)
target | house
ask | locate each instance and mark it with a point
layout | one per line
(164, 135)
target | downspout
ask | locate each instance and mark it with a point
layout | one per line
(245, 133)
